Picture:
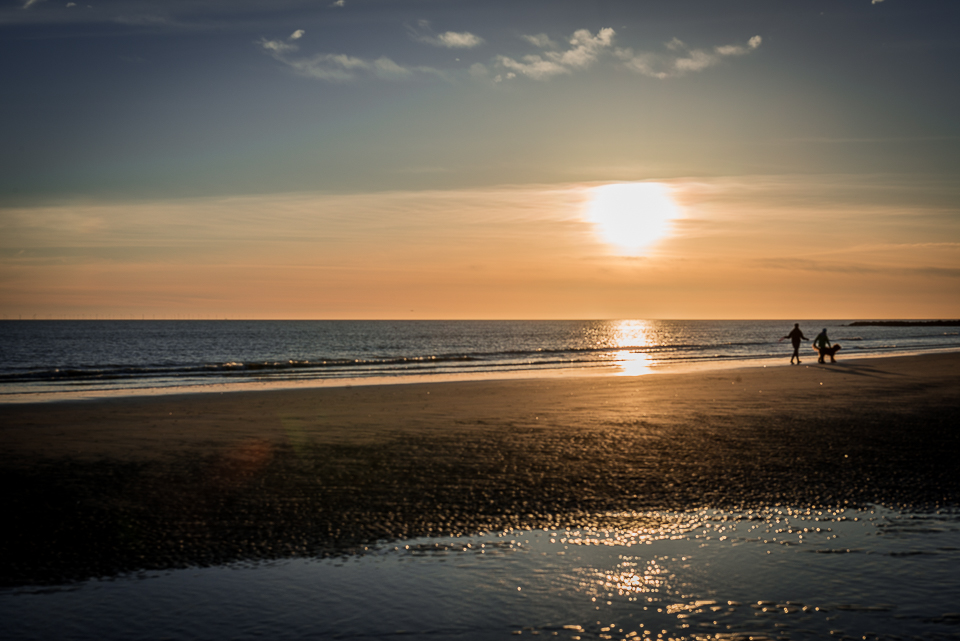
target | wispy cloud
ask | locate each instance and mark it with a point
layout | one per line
(30, 3)
(540, 40)
(800, 264)
(449, 39)
(454, 40)
(682, 59)
(339, 3)
(584, 49)
(276, 47)
(581, 50)
(336, 67)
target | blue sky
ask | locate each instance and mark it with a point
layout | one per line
(168, 98)
(141, 103)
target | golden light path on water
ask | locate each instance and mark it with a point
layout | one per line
(633, 335)
(630, 217)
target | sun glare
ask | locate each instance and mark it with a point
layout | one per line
(633, 335)
(631, 216)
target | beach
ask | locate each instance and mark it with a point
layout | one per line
(151, 483)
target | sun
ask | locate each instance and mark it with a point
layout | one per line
(631, 216)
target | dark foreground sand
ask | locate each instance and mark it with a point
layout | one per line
(96, 488)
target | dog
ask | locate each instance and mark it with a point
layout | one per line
(828, 351)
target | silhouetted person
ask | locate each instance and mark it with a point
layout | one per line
(795, 337)
(821, 343)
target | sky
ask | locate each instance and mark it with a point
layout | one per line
(644, 159)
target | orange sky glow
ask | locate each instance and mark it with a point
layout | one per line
(753, 247)
(482, 160)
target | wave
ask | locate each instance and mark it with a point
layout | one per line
(328, 367)
(60, 356)
(235, 366)
(113, 372)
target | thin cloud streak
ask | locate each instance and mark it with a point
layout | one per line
(807, 265)
(337, 67)
(540, 40)
(877, 140)
(447, 40)
(682, 59)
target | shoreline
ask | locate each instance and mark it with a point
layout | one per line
(133, 483)
(626, 368)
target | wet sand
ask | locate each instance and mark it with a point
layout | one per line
(97, 488)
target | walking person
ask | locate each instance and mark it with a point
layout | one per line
(795, 337)
(822, 343)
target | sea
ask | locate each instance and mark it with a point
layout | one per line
(48, 359)
(780, 572)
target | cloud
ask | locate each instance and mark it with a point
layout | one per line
(448, 39)
(453, 40)
(533, 67)
(585, 48)
(30, 3)
(802, 264)
(738, 50)
(875, 1)
(339, 3)
(581, 50)
(333, 67)
(276, 47)
(540, 40)
(387, 69)
(683, 59)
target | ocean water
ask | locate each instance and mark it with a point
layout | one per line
(38, 357)
(777, 573)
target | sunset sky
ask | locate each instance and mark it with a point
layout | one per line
(672, 159)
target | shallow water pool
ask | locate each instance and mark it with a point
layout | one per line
(773, 574)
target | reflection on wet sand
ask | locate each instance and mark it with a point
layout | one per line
(776, 573)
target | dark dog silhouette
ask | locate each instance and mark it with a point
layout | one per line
(828, 351)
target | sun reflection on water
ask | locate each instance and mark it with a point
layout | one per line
(633, 363)
(633, 336)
